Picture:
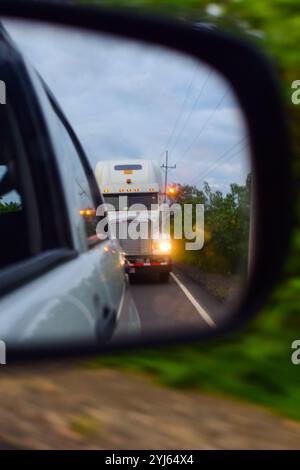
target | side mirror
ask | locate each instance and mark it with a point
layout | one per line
(104, 105)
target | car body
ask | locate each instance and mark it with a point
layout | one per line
(58, 279)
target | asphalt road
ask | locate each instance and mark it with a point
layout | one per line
(179, 303)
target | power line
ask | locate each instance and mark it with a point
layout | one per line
(83, 191)
(226, 160)
(204, 125)
(182, 107)
(192, 109)
(221, 156)
(204, 175)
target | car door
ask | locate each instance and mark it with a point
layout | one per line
(51, 276)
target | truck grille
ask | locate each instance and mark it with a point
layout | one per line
(134, 247)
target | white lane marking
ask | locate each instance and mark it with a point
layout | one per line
(193, 301)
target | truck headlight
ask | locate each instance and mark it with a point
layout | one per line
(163, 247)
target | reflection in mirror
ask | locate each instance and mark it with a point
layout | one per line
(166, 246)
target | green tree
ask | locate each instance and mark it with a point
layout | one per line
(226, 226)
(9, 207)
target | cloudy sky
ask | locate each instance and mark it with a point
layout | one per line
(127, 100)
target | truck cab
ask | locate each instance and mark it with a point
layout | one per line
(133, 196)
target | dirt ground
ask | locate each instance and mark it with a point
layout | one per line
(72, 407)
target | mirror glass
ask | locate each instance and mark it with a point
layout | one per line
(152, 236)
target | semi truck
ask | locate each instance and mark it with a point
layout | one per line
(133, 196)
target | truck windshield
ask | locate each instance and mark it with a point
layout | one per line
(147, 199)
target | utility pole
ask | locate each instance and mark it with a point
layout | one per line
(166, 168)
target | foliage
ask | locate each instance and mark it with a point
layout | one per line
(9, 206)
(226, 227)
(254, 364)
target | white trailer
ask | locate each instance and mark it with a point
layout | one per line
(140, 181)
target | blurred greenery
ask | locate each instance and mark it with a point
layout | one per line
(226, 231)
(9, 206)
(255, 364)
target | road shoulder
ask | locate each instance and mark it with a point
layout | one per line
(57, 407)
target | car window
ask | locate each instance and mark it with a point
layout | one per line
(77, 188)
(83, 210)
(15, 245)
